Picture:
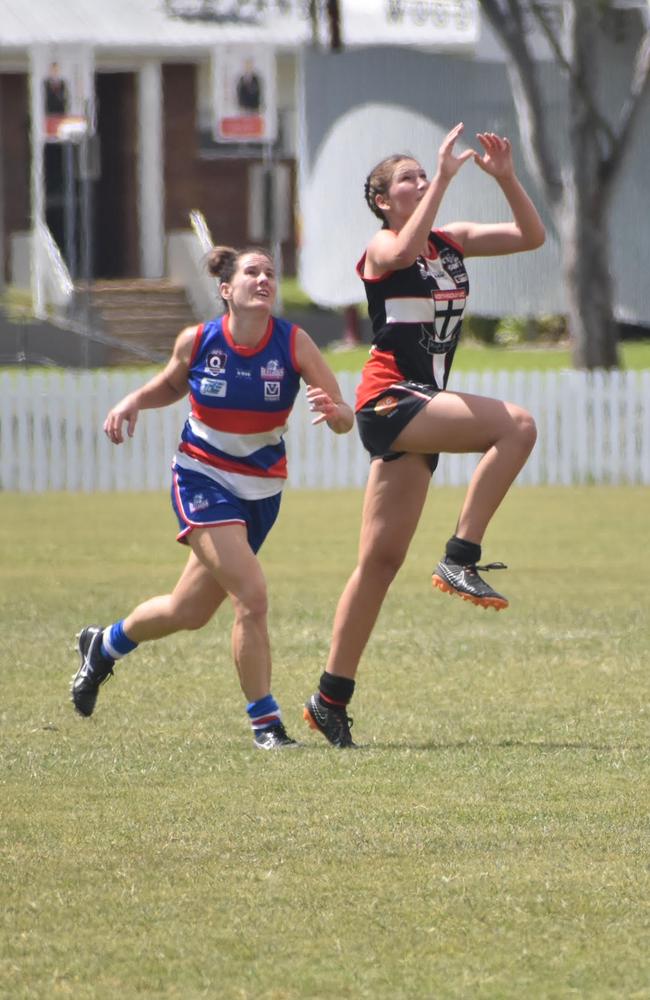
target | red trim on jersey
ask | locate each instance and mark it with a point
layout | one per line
(379, 373)
(293, 334)
(197, 342)
(238, 421)
(241, 349)
(276, 471)
(434, 255)
(360, 266)
(444, 235)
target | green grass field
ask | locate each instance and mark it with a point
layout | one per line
(488, 840)
(475, 357)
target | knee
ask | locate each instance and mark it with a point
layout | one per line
(525, 429)
(382, 564)
(253, 604)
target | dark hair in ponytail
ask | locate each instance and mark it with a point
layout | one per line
(222, 262)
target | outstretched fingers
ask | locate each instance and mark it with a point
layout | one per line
(321, 403)
(497, 156)
(449, 162)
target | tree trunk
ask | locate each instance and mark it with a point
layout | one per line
(584, 225)
(588, 284)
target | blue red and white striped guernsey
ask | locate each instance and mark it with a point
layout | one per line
(240, 398)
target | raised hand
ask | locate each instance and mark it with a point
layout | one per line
(448, 163)
(497, 157)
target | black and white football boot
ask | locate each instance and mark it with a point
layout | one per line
(274, 737)
(333, 723)
(454, 578)
(95, 668)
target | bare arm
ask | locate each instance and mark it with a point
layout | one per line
(323, 390)
(165, 388)
(389, 251)
(524, 232)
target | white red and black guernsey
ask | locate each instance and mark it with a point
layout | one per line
(241, 398)
(416, 315)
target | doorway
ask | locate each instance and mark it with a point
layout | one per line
(116, 227)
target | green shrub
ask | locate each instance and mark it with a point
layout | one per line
(513, 331)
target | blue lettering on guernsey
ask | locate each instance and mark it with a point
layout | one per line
(213, 387)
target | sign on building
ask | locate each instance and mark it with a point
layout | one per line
(244, 90)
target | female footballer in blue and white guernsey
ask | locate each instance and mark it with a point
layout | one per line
(417, 285)
(243, 373)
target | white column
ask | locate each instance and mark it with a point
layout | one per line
(37, 63)
(151, 196)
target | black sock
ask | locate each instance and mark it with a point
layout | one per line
(334, 690)
(460, 551)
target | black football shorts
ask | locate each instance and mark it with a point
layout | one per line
(382, 419)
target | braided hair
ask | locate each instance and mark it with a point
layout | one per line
(378, 181)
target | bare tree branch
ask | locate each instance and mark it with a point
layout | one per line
(509, 27)
(334, 20)
(639, 87)
(313, 20)
(542, 17)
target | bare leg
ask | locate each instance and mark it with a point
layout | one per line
(225, 552)
(191, 605)
(458, 422)
(393, 503)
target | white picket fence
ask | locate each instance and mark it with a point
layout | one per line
(593, 428)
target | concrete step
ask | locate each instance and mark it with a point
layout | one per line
(132, 324)
(144, 300)
(145, 313)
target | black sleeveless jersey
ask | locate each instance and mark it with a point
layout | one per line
(416, 316)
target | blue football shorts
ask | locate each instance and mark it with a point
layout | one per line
(200, 502)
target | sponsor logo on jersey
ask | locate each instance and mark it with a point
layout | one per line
(431, 268)
(243, 373)
(438, 270)
(272, 391)
(213, 387)
(431, 345)
(215, 363)
(272, 370)
(386, 405)
(453, 264)
(198, 502)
